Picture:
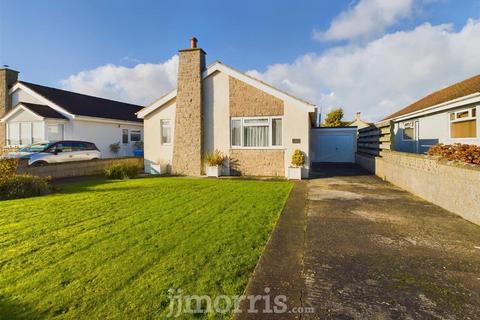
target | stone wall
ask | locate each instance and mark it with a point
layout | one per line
(77, 168)
(455, 187)
(187, 146)
(262, 162)
(247, 101)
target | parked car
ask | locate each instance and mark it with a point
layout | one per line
(60, 151)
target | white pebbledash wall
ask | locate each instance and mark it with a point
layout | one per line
(216, 117)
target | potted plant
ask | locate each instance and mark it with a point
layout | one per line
(298, 160)
(214, 162)
(160, 168)
(138, 151)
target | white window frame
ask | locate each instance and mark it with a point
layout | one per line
(161, 132)
(469, 118)
(409, 125)
(54, 124)
(242, 125)
(130, 134)
(31, 123)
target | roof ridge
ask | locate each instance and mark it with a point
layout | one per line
(460, 89)
(81, 94)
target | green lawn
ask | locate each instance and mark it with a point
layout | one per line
(105, 249)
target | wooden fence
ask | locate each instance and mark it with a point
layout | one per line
(372, 140)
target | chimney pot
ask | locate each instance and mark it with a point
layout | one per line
(193, 43)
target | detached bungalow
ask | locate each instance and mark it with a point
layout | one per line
(447, 116)
(42, 113)
(219, 108)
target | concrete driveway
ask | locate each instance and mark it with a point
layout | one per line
(355, 247)
(375, 251)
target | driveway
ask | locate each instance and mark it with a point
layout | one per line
(369, 250)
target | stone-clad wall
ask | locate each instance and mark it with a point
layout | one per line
(187, 146)
(247, 101)
(253, 162)
(7, 79)
(455, 187)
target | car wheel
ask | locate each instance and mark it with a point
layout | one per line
(39, 164)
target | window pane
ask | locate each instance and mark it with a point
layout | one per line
(464, 129)
(166, 131)
(255, 121)
(408, 134)
(55, 132)
(135, 135)
(255, 136)
(276, 132)
(25, 133)
(474, 112)
(236, 132)
(37, 134)
(124, 135)
(463, 114)
(14, 134)
(452, 116)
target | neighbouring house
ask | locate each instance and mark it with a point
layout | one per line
(447, 116)
(219, 108)
(32, 113)
(358, 122)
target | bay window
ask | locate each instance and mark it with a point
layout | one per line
(24, 133)
(256, 132)
(463, 124)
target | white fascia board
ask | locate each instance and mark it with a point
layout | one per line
(18, 108)
(217, 66)
(469, 99)
(105, 120)
(52, 105)
(156, 104)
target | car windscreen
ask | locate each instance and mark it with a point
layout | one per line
(36, 147)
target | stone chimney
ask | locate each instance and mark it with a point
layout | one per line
(8, 77)
(188, 131)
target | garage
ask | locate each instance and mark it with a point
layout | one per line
(337, 144)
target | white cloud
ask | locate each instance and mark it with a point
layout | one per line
(383, 75)
(367, 18)
(140, 84)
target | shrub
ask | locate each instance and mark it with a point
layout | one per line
(8, 167)
(121, 171)
(214, 158)
(457, 152)
(23, 186)
(298, 159)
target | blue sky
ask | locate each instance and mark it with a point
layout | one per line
(50, 41)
